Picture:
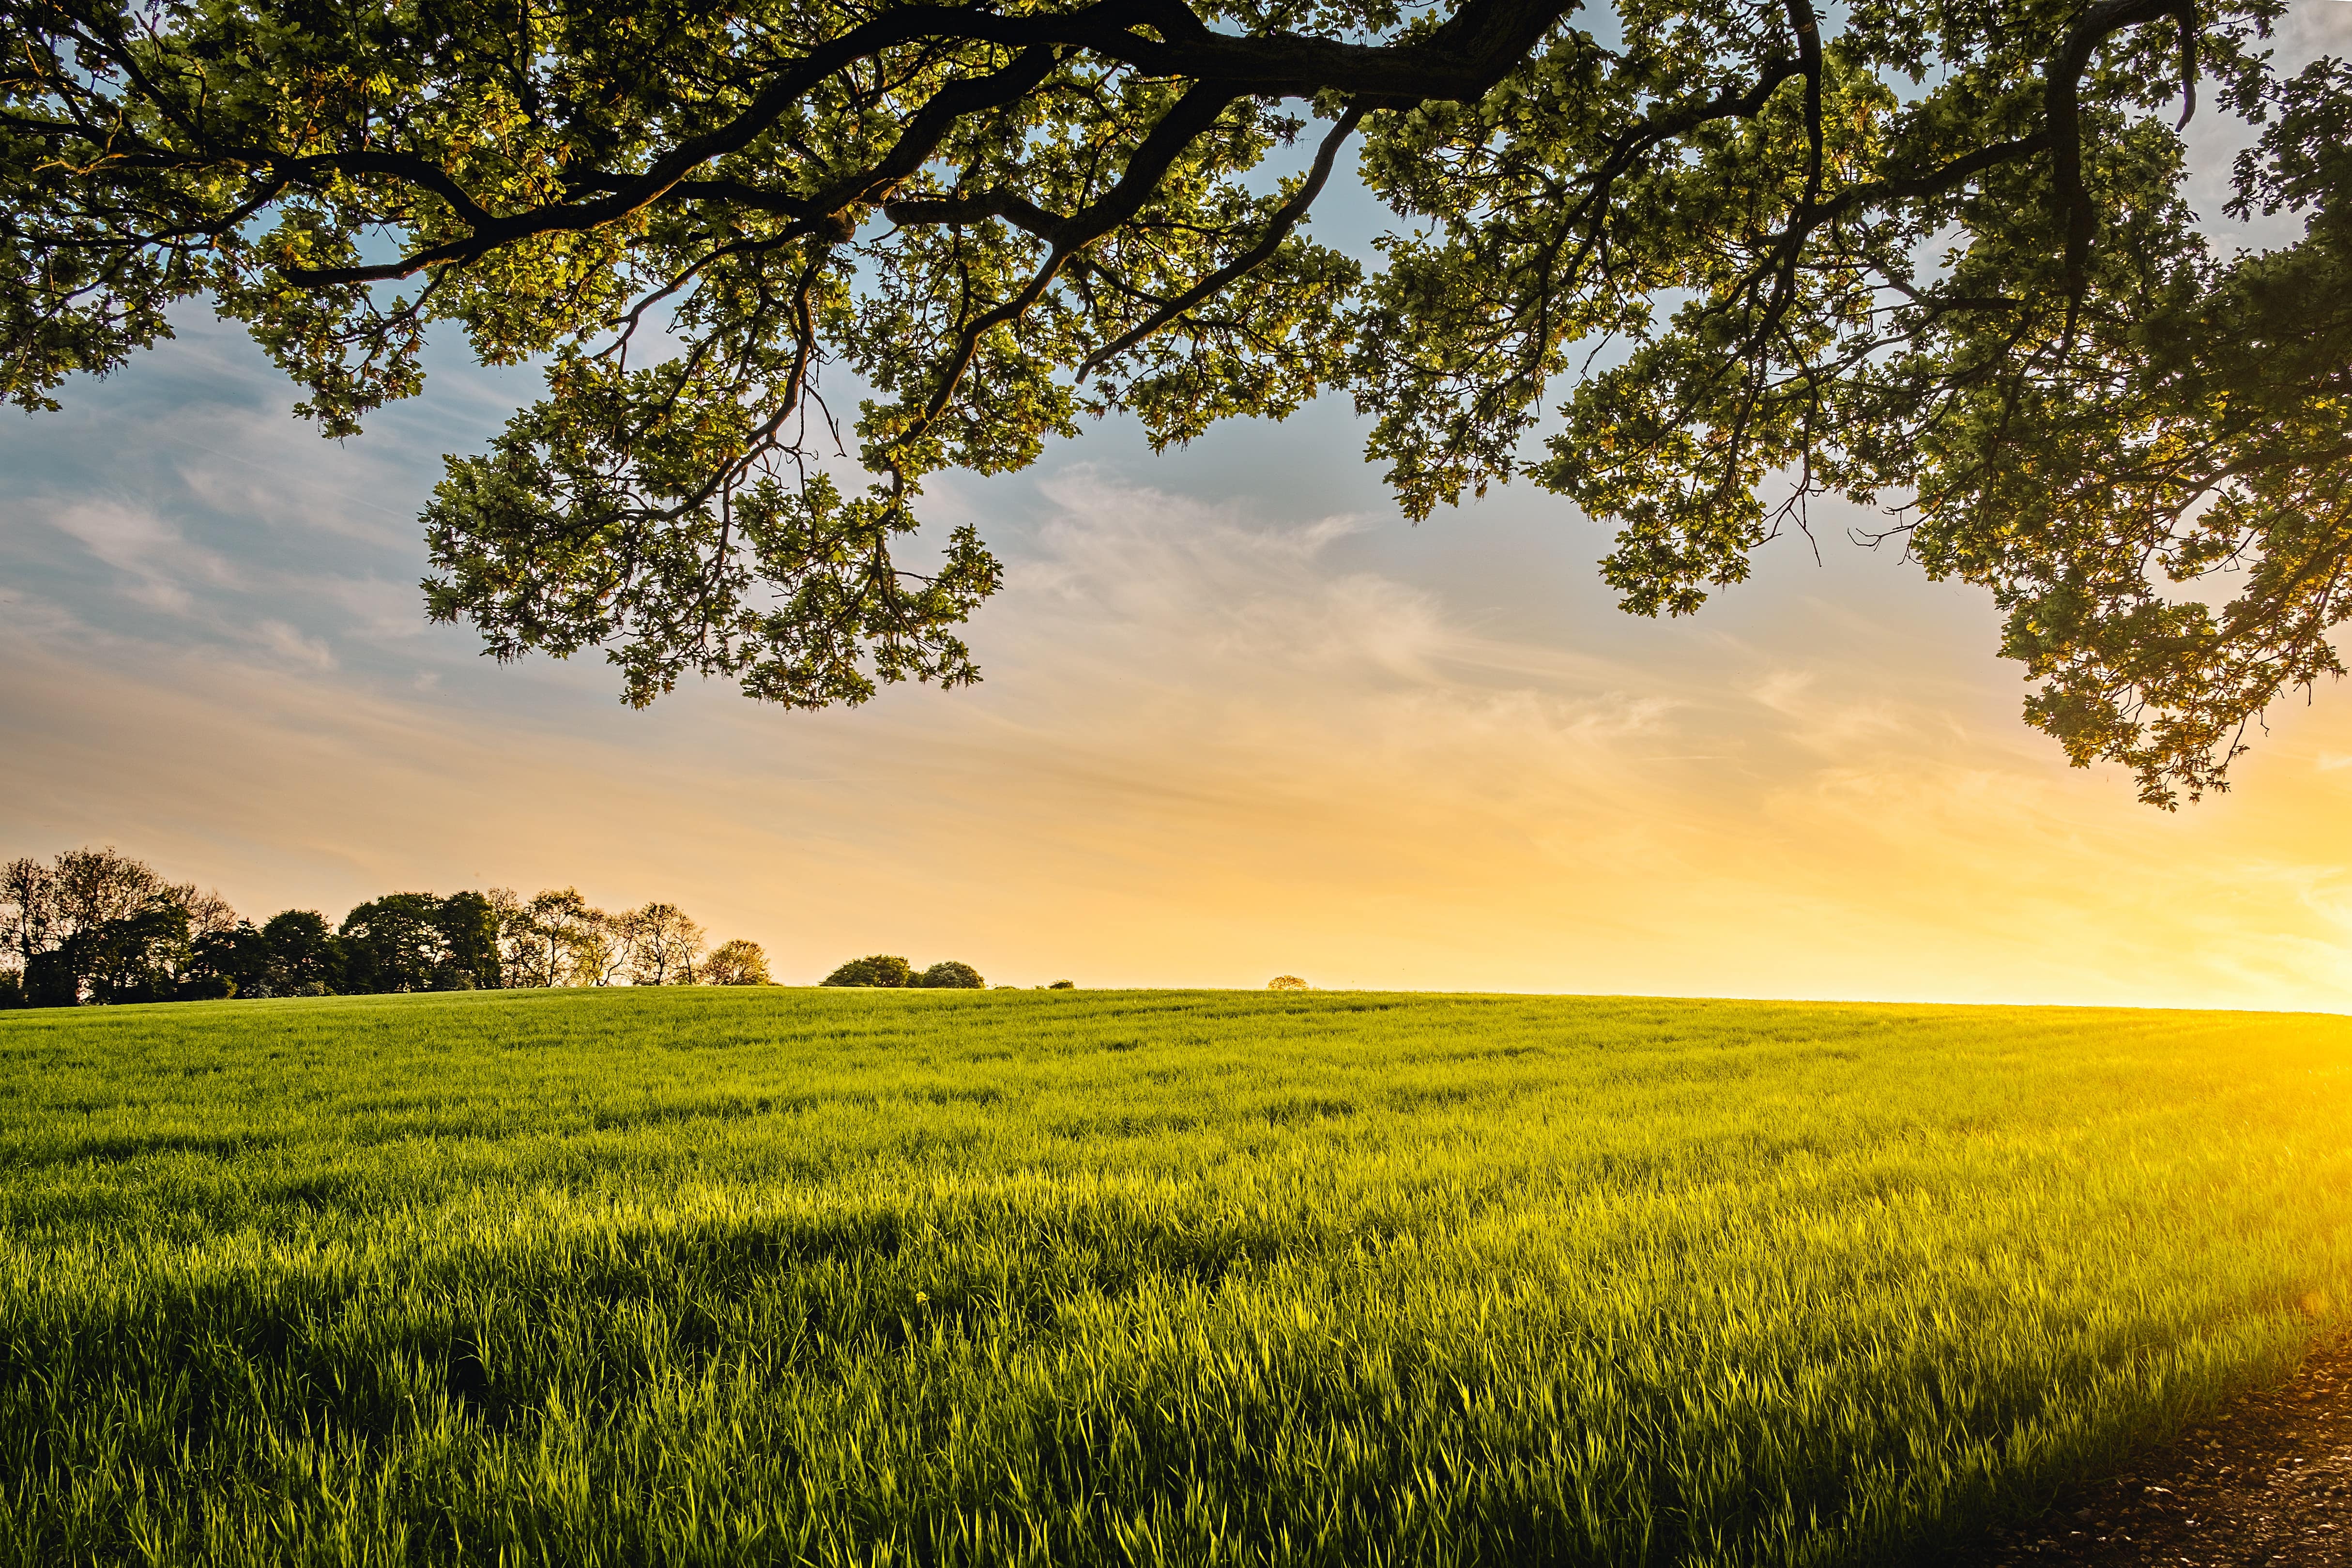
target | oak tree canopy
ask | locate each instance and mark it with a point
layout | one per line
(1740, 254)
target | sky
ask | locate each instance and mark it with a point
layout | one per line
(1239, 719)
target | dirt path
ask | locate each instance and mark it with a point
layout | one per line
(2269, 1482)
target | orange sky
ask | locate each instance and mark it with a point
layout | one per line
(1215, 745)
(1239, 719)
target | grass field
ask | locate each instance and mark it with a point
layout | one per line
(778, 1276)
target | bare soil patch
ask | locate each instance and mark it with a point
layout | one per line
(2267, 1483)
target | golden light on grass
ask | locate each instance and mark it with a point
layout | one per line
(626, 1276)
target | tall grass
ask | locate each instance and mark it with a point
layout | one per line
(702, 1277)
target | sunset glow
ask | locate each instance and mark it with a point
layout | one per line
(1239, 720)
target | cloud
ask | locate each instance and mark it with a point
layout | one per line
(292, 646)
(141, 548)
(1218, 739)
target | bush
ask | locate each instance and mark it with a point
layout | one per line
(737, 962)
(950, 974)
(1287, 983)
(11, 989)
(1063, 986)
(877, 969)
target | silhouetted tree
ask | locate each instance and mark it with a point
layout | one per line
(96, 923)
(139, 957)
(517, 942)
(470, 957)
(306, 957)
(952, 975)
(209, 915)
(393, 944)
(94, 886)
(28, 909)
(232, 963)
(876, 970)
(44, 906)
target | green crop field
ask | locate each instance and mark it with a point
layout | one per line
(782, 1276)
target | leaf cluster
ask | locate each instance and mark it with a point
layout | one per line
(1741, 255)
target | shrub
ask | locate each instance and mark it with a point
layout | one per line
(737, 962)
(11, 989)
(1287, 983)
(876, 970)
(952, 975)
(1063, 986)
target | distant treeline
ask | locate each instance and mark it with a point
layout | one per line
(95, 926)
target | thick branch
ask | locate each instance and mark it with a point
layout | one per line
(1460, 60)
(1194, 113)
(1284, 219)
(1018, 211)
(2062, 118)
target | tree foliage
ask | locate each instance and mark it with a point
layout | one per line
(736, 962)
(552, 940)
(663, 945)
(96, 925)
(875, 970)
(93, 925)
(952, 974)
(396, 942)
(305, 958)
(1936, 253)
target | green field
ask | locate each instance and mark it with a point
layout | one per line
(787, 1276)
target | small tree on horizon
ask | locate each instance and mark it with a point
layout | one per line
(663, 946)
(1287, 983)
(562, 941)
(736, 962)
(875, 970)
(951, 974)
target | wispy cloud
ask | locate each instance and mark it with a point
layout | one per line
(294, 647)
(156, 566)
(1217, 740)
